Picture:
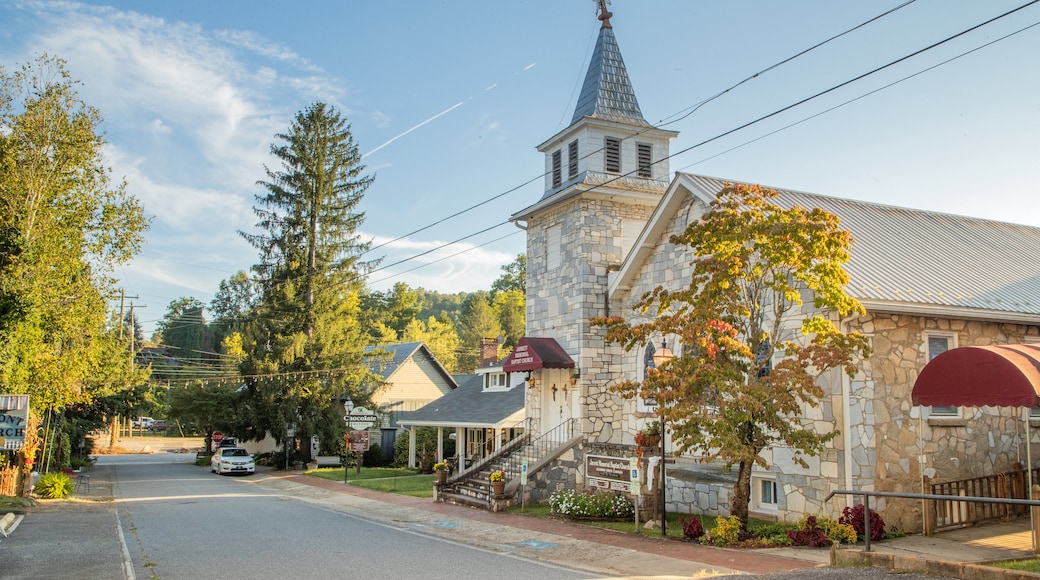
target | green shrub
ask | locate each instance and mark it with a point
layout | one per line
(595, 504)
(374, 457)
(774, 534)
(726, 532)
(55, 485)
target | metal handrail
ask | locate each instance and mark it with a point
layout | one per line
(508, 460)
(926, 496)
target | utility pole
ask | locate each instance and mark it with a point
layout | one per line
(114, 427)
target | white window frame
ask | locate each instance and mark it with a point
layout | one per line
(935, 411)
(759, 503)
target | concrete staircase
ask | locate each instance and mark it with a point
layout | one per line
(473, 488)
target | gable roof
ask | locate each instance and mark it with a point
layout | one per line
(902, 260)
(469, 405)
(399, 354)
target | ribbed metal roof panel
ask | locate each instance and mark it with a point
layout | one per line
(925, 257)
(607, 92)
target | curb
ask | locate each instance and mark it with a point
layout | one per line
(895, 563)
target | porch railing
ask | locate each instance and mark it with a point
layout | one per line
(948, 513)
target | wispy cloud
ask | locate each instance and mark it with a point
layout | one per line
(402, 134)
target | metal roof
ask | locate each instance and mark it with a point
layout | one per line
(903, 255)
(607, 92)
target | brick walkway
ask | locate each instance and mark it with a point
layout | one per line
(753, 561)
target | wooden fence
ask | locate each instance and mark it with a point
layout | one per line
(947, 514)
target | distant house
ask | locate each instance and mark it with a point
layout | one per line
(413, 377)
(485, 411)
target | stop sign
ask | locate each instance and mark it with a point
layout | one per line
(218, 436)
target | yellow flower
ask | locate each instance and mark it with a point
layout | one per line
(497, 476)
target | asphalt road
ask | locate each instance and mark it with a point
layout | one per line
(173, 520)
(170, 520)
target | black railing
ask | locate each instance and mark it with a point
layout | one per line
(510, 457)
(925, 496)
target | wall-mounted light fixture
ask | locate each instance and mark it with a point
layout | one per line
(554, 391)
(575, 376)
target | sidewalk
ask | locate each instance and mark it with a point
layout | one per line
(952, 554)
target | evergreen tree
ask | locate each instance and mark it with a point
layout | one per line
(307, 340)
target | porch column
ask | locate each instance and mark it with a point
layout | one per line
(498, 439)
(440, 444)
(411, 446)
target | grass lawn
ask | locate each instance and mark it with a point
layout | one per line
(385, 479)
(1031, 565)
(13, 502)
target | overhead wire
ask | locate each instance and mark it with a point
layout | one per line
(685, 113)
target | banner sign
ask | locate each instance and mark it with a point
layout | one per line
(14, 419)
(607, 472)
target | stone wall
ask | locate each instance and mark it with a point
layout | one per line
(910, 444)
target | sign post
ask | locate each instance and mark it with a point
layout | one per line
(523, 482)
(633, 467)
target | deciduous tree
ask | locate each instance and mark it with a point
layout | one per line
(63, 228)
(757, 328)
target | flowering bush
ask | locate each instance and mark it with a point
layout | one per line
(595, 504)
(497, 476)
(440, 466)
(854, 517)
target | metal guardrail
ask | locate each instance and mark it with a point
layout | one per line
(925, 496)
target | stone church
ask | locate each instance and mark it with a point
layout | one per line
(598, 238)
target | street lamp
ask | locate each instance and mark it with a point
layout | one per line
(348, 407)
(660, 357)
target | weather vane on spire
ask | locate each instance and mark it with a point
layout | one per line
(604, 14)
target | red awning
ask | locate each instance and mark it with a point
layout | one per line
(974, 376)
(537, 353)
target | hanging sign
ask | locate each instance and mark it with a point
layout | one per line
(523, 471)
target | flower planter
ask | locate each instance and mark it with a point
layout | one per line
(647, 440)
(442, 476)
(499, 487)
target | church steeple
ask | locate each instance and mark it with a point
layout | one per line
(607, 92)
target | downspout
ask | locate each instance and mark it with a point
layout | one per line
(846, 400)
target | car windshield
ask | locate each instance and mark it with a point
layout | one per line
(234, 453)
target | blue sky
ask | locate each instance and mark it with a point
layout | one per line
(448, 101)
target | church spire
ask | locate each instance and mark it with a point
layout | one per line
(607, 92)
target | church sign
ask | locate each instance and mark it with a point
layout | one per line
(613, 473)
(14, 419)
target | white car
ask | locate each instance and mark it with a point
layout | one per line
(232, 460)
(141, 423)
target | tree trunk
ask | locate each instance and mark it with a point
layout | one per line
(742, 497)
(114, 432)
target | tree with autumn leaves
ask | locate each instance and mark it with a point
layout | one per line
(757, 325)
